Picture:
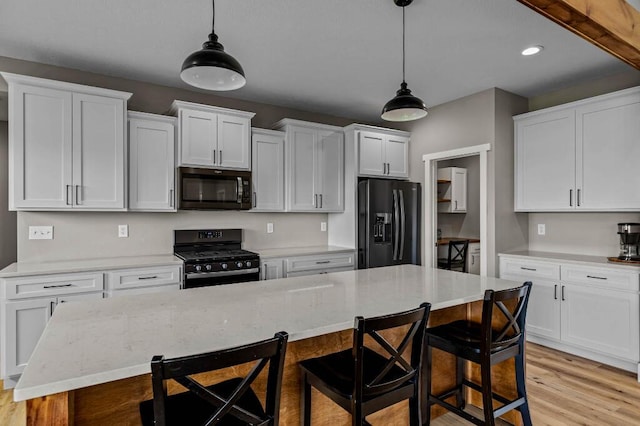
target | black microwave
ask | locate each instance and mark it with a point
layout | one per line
(212, 189)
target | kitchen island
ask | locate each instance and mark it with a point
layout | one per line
(92, 364)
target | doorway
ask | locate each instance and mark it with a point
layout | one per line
(433, 162)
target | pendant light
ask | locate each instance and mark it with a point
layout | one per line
(404, 106)
(212, 68)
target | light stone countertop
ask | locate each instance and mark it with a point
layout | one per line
(299, 251)
(19, 269)
(570, 258)
(99, 341)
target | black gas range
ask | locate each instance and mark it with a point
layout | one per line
(215, 257)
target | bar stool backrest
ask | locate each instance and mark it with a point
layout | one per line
(380, 381)
(271, 351)
(507, 328)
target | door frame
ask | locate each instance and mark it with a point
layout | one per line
(431, 207)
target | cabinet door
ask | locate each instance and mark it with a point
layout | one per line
(545, 162)
(543, 311)
(397, 155)
(473, 259)
(330, 173)
(459, 190)
(608, 153)
(98, 152)
(25, 321)
(40, 138)
(151, 165)
(198, 133)
(603, 320)
(272, 269)
(233, 142)
(371, 155)
(303, 194)
(268, 172)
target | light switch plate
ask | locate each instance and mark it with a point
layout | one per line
(41, 232)
(123, 231)
(541, 229)
(323, 226)
(269, 228)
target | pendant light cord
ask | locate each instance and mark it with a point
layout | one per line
(213, 16)
(403, 49)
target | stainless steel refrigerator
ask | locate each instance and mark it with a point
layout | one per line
(388, 223)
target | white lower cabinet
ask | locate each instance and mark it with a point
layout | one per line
(143, 280)
(592, 311)
(473, 259)
(314, 264)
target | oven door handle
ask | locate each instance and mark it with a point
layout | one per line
(198, 275)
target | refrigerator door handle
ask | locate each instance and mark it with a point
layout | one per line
(402, 224)
(396, 225)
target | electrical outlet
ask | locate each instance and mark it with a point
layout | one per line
(541, 229)
(41, 232)
(123, 231)
(323, 226)
(269, 228)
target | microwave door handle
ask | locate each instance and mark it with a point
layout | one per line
(239, 190)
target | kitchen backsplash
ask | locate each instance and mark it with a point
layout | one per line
(83, 235)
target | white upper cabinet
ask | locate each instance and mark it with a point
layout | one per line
(151, 162)
(383, 154)
(213, 137)
(268, 170)
(67, 145)
(452, 190)
(314, 166)
(580, 156)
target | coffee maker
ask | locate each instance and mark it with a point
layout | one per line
(629, 241)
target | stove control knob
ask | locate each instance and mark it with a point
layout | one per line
(224, 265)
(248, 263)
(208, 267)
(198, 268)
(239, 264)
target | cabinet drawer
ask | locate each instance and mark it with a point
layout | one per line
(325, 261)
(53, 285)
(602, 277)
(317, 272)
(529, 269)
(144, 277)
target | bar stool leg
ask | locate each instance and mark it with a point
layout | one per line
(487, 397)
(426, 391)
(460, 400)
(306, 402)
(522, 390)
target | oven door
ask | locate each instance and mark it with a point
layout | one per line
(209, 189)
(205, 279)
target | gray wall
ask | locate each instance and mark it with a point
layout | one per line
(480, 118)
(583, 233)
(87, 235)
(7, 218)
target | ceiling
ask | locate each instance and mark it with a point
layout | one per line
(332, 56)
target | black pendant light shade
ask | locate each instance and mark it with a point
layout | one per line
(404, 106)
(212, 68)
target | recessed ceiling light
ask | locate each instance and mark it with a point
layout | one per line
(533, 50)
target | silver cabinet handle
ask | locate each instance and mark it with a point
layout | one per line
(555, 292)
(171, 201)
(596, 278)
(578, 201)
(58, 286)
(214, 156)
(315, 200)
(562, 293)
(384, 168)
(456, 204)
(571, 198)
(152, 277)
(78, 194)
(320, 200)
(388, 168)
(322, 262)
(220, 156)
(255, 199)
(67, 195)
(528, 269)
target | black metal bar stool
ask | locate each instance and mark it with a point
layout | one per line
(361, 380)
(490, 342)
(456, 256)
(231, 402)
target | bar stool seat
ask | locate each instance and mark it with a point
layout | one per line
(498, 337)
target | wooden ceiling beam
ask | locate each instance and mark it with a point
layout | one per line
(612, 25)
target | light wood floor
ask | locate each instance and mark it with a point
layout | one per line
(563, 390)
